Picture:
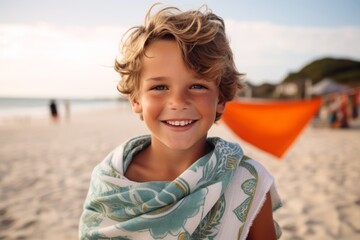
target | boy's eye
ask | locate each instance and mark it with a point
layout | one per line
(198, 86)
(159, 88)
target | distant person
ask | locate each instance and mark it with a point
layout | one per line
(53, 111)
(344, 121)
(355, 104)
(67, 110)
(333, 111)
(177, 183)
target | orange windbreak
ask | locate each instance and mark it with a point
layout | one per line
(270, 125)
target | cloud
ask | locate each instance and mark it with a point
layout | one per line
(268, 52)
(49, 60)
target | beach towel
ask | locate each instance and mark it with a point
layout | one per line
(217, 197)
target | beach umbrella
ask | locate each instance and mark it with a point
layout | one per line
(327, 86)
(269, 125)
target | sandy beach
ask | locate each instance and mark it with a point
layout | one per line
(45, 172)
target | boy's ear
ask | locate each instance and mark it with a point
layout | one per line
(136, 106)
(220, 106)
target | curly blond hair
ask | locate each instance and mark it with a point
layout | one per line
(201, 37)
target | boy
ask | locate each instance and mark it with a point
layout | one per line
(177, 183)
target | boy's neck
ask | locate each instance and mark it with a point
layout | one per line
(159, 163)
(177, 159)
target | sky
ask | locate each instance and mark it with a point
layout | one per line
(66, 48)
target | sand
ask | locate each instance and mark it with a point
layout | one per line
(45, 171)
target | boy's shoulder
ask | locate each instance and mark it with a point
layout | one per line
(121, 156)
(254, 167)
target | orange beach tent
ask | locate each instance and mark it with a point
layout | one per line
(269, 125)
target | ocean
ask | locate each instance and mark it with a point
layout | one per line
(39, 107)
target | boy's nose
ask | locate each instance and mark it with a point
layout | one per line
(178, 101)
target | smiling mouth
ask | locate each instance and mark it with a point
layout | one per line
(180, 123)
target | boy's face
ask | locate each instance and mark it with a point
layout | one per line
(177, 107)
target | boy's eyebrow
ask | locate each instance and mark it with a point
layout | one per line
(156, 78)
(162, 78)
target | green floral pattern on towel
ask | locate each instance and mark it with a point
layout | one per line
(193, 206)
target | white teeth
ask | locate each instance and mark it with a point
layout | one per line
(179, 123)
